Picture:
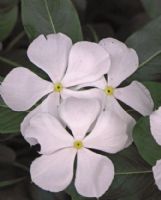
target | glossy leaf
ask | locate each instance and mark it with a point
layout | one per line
(7, 22)
(10, 120)
(7, 4)
(133, 179)
(10, 182)
(153, 7)
(147, 147)
(155, 90)
(6, 154)
(48, 16)
(147, 44)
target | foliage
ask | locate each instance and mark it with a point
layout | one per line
(22, 21)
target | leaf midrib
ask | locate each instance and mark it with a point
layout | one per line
(150, 58)
(49, 15)
(134, 172)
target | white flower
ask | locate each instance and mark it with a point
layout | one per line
(66, 65)
(155, 125)
(157, 174)
(124, 62)
(53, 170)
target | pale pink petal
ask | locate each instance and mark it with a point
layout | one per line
(88, 62)
(155, 125)
(94, 174)
(51, 53)
(113, 105)
(109, 133)
(54, 172)
(79, 114)
(85, 94)
(137, 96)
(49, 105)
(46, 130)
(21, 89)
(157, 174)
(101, 84)
(124, 61)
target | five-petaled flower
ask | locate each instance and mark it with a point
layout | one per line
(53, 170)
(124, 62)
(66, 65)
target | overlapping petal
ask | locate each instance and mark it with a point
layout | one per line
(49, 105)
(54, 172)
(113, 105)
(48, 132)
(21, 89)
(124, 61)
(136, 96)
(100, 83)
(79, 114)
(85, 94)
(157, 174)
(87, 62)
(155, 125)
(51, 53)
(109, 134)
(94, 173)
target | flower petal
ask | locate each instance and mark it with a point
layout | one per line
(85, 94)
(113, 105)
(21, 89)
(124, 61)
(51, 54)
(157, 174)
(136, 96)
(54, 172)
(79, 114)
(94, 173)
(49, 105)
(101, 84)
(88, 62)
(106, 135)
(155, 125)
(46, 130)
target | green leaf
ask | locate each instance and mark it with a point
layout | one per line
(7, 22)
(133, 179)
(39, 194)
(10, 120)
(147, 147)
(153, 7)
(6, 154)
(19, 58)
(7, 4)
(48, 16)
(155, 90)
(147, 44)
(11, 182)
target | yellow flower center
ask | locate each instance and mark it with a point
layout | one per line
(58, 87)
(109, 91)
(78, 144)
